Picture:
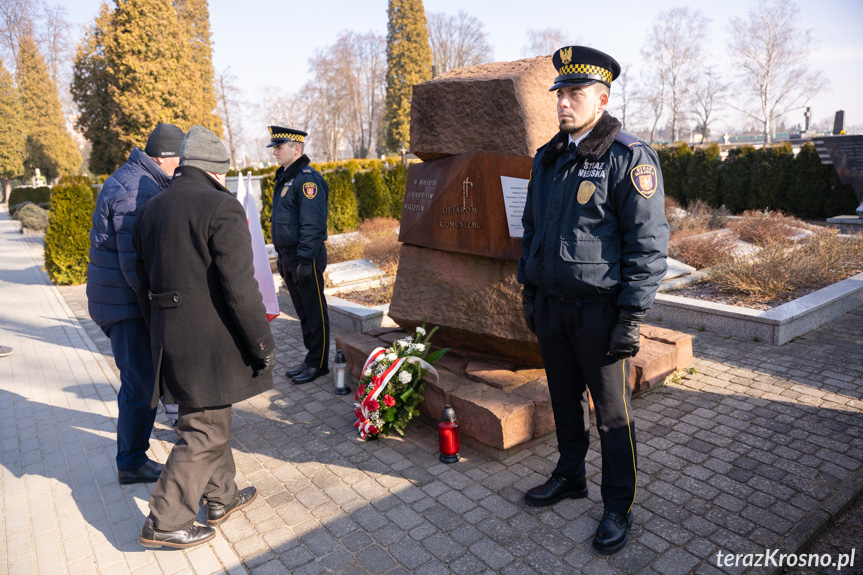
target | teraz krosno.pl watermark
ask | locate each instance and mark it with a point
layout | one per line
(773, 558)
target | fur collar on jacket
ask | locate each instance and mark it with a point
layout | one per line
(592, 148)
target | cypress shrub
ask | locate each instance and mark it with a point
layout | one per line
(35, 195)
(810, 185)
(32, 217)
(702, 181)
(267, 185)
(771, 177)
(841, 199)
(343, 214)
(674, 161)
(735, 179)
(372, 194)
(67, 239)
(396, 178)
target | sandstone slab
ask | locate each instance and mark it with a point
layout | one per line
(681, 341)
(502, 107)
(437, 393)
(493, 417)
(494, 376)
(543, 416)
(357, 347)
(476, 302)
(655, 361)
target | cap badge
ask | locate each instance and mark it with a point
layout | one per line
(566, 55)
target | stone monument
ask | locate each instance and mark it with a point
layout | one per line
(845, 154)
(476, 130)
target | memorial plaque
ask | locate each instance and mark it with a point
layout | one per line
(457, 204)
(845, 153)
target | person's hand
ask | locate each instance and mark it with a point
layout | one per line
(625, 335)
(265, 365)
(528, 308)
(305, 273)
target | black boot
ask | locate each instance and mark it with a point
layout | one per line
(555, 489)
(309, 374)
(147, 473)
(194, 535)
(296, 370)
(218, 512)
(613, 532)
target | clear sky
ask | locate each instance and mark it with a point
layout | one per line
(269, 42)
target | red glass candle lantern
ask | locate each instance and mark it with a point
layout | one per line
(448, 436)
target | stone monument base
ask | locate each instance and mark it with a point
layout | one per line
(503, 408)
(847, 224)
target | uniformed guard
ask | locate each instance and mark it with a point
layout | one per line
(593, 255)
(299, 228)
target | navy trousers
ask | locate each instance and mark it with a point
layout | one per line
(130, 342)
(573, 337)
(310, 303)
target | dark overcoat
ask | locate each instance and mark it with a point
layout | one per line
(208, 324)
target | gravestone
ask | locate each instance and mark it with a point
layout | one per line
(845, 154)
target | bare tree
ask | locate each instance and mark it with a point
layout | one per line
(330, 115)
(366, 88)
(652, 97)
(16, 22)
(708, 95)
(457, 41)
(771, 54)
(674, 48)
(621, 104)
(229, 107)
(55, 38)
(544, 42)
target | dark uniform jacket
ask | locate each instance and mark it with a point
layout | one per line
(111, 279)
(199, 295)
(594, 223)
(299, 221)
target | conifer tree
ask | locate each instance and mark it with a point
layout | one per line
(409, 60)
(89, 88)
(12, 137)
(194, 19)
(49, 145)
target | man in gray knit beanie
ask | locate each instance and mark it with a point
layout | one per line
(212, 344)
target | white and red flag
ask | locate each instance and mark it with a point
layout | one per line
(263, 273)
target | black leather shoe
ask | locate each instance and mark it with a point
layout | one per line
(296, 370)
(555, 489)
(194, 535)
(309, 374)
(218, 512)
(147, 473)
(613, 532)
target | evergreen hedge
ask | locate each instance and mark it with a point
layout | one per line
(770, 178)
(377, 188)
(26, 194)
(67, 239)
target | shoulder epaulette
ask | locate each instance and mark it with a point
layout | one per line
(627, 139)
(307, 171)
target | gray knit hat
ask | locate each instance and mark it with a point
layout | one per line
(203, 149)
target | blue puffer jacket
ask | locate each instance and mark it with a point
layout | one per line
(111, 279)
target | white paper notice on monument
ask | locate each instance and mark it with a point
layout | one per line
(514, 198)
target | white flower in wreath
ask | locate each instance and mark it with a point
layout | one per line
(368, 372)
(421, 331)
(420, 346)
(392, 356)
(405, 377)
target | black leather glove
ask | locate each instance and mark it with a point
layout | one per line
(528, 307)
(305, 272)
(265, 365)
(625, 336)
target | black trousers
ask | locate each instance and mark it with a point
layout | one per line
(573, 337)
(311, 306)
(200, 464)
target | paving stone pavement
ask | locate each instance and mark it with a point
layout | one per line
(756, 448)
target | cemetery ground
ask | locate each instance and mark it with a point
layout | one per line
(756, 447)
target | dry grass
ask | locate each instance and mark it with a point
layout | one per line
(763, 229)
(344, 251)
(698, 217)
(381, 243)
(702, 250)
(783, 267)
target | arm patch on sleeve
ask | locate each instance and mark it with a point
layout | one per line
(310, 190)
(644, 179)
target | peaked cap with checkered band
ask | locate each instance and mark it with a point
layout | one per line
(580, 66)
(279, 135)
